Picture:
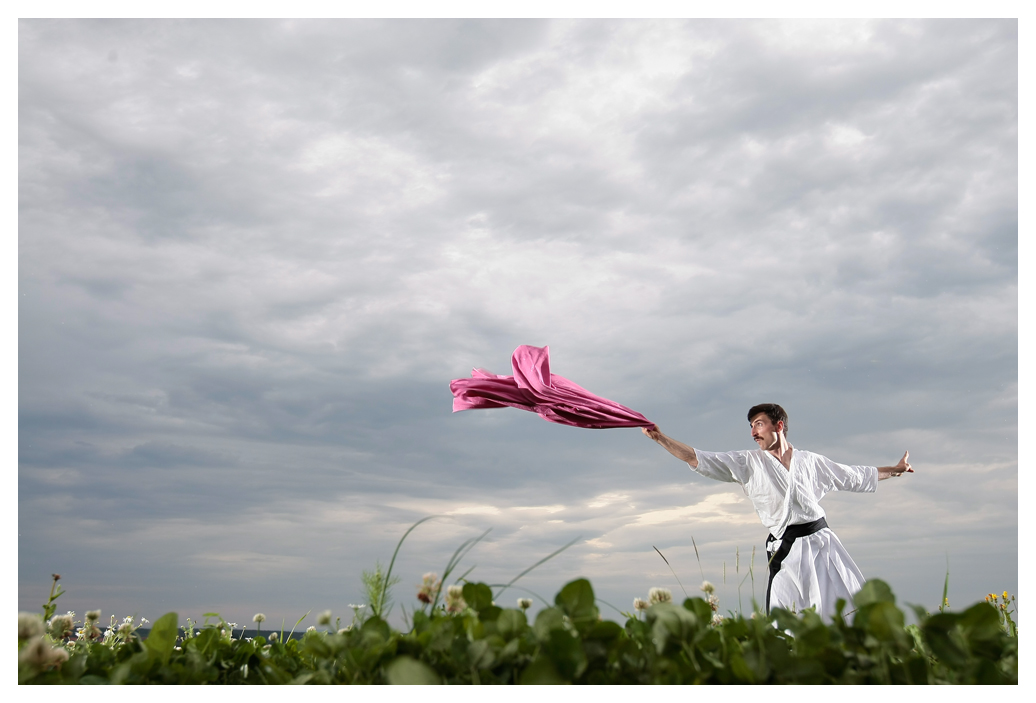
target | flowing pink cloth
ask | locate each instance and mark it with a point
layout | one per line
(534, 388)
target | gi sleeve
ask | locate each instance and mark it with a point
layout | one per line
(731, 467)
(832, 476)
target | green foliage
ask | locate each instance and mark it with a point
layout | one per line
(570, 643)
(377, 587)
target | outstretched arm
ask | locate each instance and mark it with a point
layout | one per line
(678, 449)
(903, 467)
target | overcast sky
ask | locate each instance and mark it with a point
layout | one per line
(253, 254)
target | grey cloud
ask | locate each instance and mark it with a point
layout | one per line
(252, 255)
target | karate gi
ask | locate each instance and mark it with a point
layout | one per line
(818, 570)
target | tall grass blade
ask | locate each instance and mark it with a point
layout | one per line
(522, 588)
(294, 626)
(392, 563)
(541, 561)
(462, 550)
(601, 600)
(697, 557)
(751, 571)
(946, 584)
(464, 575)
(671, 569)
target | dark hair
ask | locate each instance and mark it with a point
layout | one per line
(773, 411)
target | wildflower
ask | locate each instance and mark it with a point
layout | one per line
(455, 599)
(273, 636)
(707, 587)
(93, 615)
(714, 602)
(429, 588)
(525, 603)
(258, 617)
(640, 604)
(126, 629)
(29, 625)
(660, 595)
(311, 628)
(144, 621)
(345, 629)
(60, 626)
(717, 619)
(324, 618)
(1005, 595)
(37, 654)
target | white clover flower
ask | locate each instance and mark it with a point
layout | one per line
(717, 619)
(93, 615)
(60, 626)
(660, 595)
(640, 604)
(429, 588)
(707, 587)
(714, 602)
(258, 617)
(324, 618)
(39, 655)
(29, 625)
(311, 628)
(455, 599)
(273, 636)
(525, 603)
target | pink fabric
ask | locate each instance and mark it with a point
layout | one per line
(534, 388)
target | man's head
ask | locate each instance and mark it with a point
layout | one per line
(767, 421)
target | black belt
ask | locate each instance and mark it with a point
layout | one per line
(791, 533)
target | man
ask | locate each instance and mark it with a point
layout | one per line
(809, 567)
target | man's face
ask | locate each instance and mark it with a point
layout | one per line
(764, 432)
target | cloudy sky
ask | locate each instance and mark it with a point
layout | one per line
(253, 254)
